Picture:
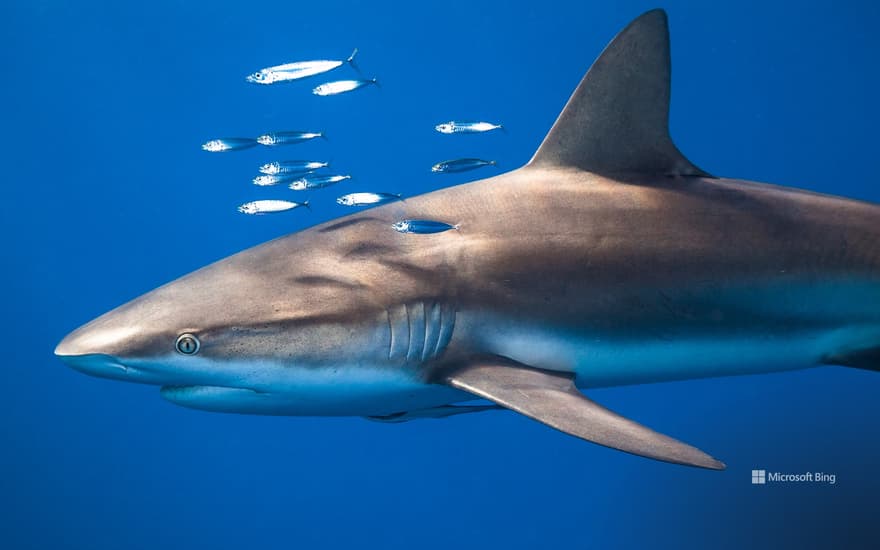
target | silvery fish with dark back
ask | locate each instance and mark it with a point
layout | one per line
(461, 165)
(297, 70)
(270, 206)
(454, 127)
(292, 167)
(316, 182)
(286, 138)
(367, 199)
(342, 86)
(422, 227)
(228, 144)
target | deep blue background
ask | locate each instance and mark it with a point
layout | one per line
(106, 195)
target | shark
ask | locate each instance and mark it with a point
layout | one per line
(608, 259)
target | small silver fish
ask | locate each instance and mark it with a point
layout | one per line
(228, 144)
(297, 70)
(317, 182)
(461, 165)
(286, 138)
(292, 167)
(273, 179)
(270, 206)
(342, 86)
(364, 199)
(453, 127)
(422, 227)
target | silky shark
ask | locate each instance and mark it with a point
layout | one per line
(608, 259)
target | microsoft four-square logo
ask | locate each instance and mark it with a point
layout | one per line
(759, 477)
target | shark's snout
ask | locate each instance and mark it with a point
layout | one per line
(94, 338)
(70, 346)
(90, 349)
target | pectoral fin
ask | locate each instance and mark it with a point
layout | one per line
(552, 398)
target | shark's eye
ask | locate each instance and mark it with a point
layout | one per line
(187, 344)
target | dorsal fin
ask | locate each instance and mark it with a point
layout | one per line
(617, 120)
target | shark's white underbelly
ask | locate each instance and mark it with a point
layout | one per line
(599, 361)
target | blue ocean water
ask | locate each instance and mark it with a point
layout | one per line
(107, 195)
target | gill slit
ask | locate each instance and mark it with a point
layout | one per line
(424, 355)
(390, 334)
(446, 330)
(409, 327)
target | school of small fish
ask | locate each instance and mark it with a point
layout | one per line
(300, 175)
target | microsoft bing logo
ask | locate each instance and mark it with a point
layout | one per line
(762, 477)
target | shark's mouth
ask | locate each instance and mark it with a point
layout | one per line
(97, 364)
